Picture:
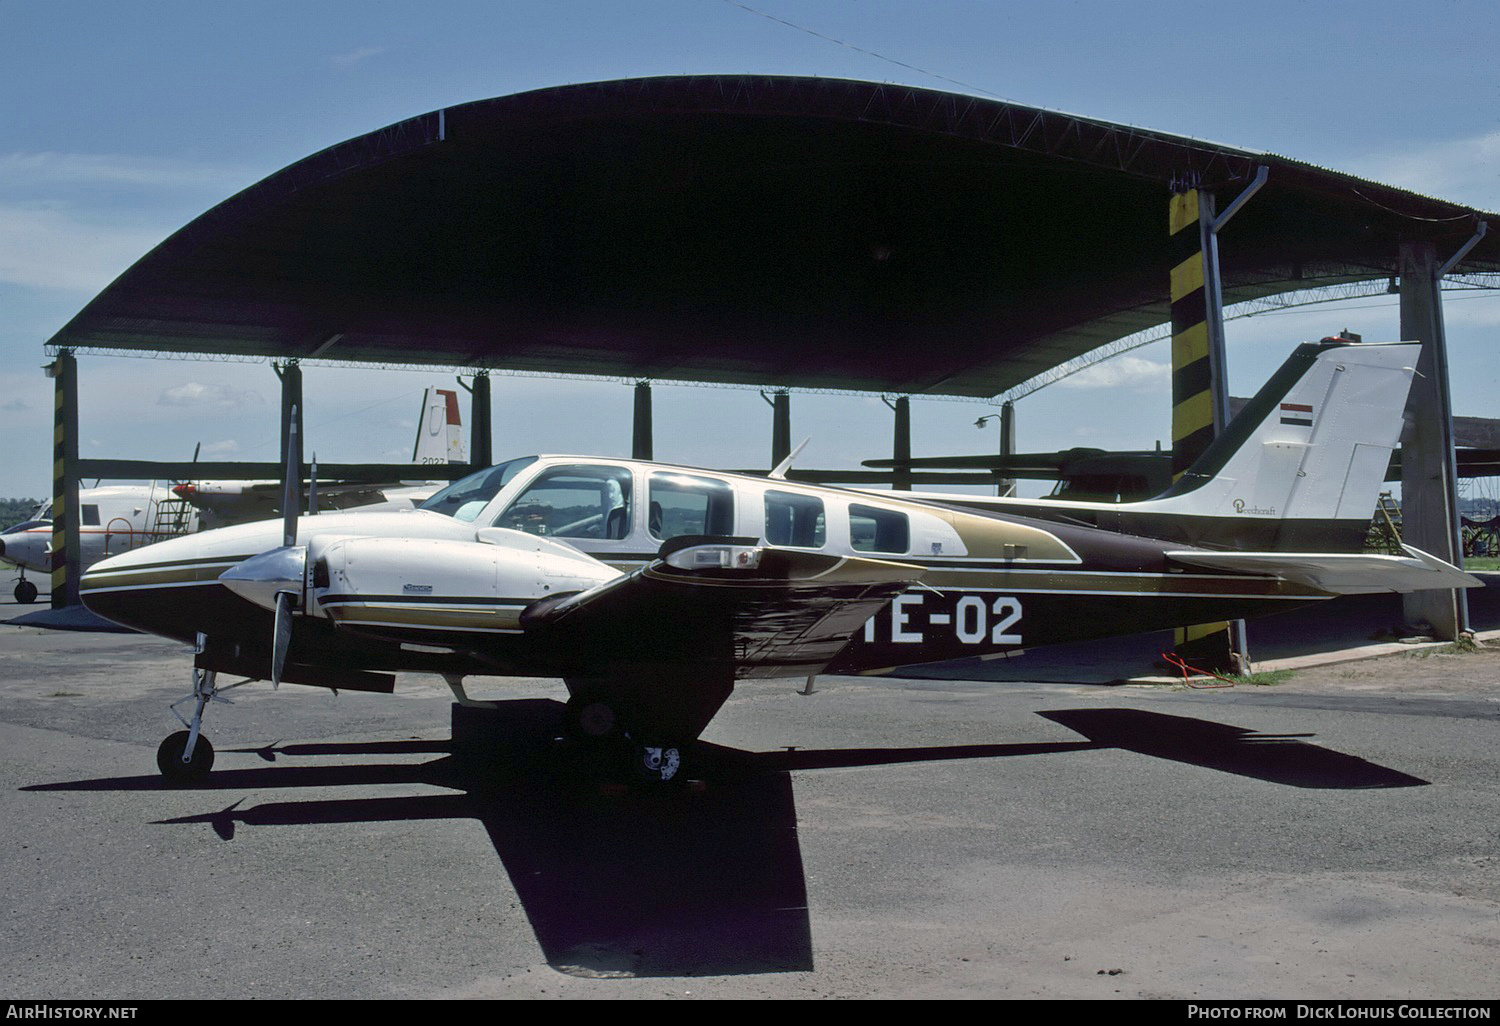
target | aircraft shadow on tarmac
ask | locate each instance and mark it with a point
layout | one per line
(646, 881)
(1278, 758)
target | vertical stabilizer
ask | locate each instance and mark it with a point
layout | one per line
(440, 429)
(1313, 445)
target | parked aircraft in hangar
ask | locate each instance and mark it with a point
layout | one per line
(439, 441)
(653, 589)
(112, 519)
(122, 517)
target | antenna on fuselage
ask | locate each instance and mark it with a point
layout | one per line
(779, 474)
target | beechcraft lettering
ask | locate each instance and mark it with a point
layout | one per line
(654, 590)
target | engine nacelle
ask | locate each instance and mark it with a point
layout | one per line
(421, 585)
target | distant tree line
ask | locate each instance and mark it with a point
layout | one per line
(13, 511)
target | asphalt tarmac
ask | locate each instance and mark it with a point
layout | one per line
(1336, 835)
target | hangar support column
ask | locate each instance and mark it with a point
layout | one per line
(66, 554)
(1007, 485)
(781, 425)
(481, 430)
(901, 444)
(1429, 488)
(1200, 379)
(642, 446)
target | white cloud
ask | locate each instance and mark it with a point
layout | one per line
(46, 171)
(50, 247)
(65, 224)
(345, 60)
(1461, 170)
(220, 396)
(1121, 372)
(227, 447)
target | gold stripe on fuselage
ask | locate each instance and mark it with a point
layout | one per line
(428, 616)
(189, 575)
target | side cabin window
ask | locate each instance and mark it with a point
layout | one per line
(573, 502)
(878, 530)
(681, 504)
(795, 520)
(88, 514)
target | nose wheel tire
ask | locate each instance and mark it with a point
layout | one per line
(169, 758)
(25, 593)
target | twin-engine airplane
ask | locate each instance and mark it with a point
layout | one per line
(651, 589)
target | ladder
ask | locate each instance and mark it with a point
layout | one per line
(171, 518)
(1385, 526)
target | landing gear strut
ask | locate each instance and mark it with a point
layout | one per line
(187, 755)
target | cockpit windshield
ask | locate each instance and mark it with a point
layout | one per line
(464, 498)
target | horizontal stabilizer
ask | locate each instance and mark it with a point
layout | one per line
(1340, 573)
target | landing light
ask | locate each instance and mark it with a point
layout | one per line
(723, 557)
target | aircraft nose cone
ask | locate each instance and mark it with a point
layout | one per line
(27, 549)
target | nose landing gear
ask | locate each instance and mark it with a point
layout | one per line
(186, 756)
(25, 593)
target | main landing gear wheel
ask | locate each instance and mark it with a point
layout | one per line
(25, 593)
(172, 765)
(658, 763)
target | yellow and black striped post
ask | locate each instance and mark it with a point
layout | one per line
(1198, 392)
(65, 553)
(1193, 363)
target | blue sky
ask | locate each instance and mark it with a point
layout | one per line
(121, 121)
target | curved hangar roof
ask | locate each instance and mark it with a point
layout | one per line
(779, 231)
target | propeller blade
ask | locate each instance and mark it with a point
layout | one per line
(291, 484)
(281, 638)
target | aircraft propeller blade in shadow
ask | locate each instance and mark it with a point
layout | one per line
(1278, 758)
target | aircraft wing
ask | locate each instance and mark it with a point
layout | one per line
(261, 500)
(1340, 573)
(1047, 466)
(765, 612)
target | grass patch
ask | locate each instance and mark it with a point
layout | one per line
(1465, 645)
(1267, 679)
(1484, 563)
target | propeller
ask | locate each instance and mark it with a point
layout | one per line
(276, 579)
(281, 636)
(273, 580)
